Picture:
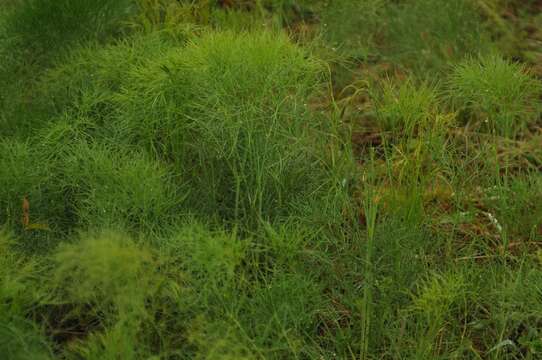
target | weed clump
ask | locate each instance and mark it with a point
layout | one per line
(405, 108)
(500, 93)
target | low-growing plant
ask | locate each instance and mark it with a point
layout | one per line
(509, 327)
(501, 94)
(439, 298)
(413, 131)
(405, 109)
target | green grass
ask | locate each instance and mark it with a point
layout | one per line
(429, 43)
(503, 94)
(273, 179)
(30, 22)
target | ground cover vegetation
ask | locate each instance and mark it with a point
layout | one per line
(270, 179)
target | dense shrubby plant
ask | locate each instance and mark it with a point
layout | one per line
(229, 111)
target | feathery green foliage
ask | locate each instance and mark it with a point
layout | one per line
(501, 93)
(19, 279)
(404, 108)
(270, 179)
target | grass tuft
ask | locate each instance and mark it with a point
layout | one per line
(499, 92)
